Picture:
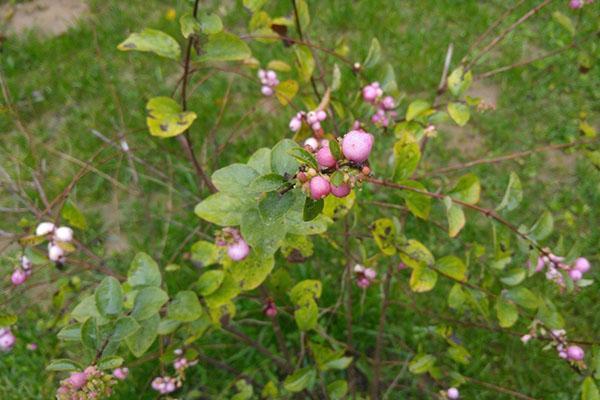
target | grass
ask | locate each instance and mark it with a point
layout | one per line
(61, 87)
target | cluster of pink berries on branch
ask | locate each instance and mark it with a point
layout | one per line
(554, 264)
(269, 81)
(558, 337)
(89, 384)
(7, 339)
(337, 168)
(577, 4)
(385, 105)
(169, 384)
(58, 238)
(237, 247)
(364, 276)
(22, 272)
(312, 119)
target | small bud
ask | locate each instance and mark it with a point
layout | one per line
(388, 103)
(44, 228)
(325, 158)
(582, 265)
(63, 234)
(319, 187)
(18, 277)
(7, 340)
(369, 93)
(238, 250)
(576, 4)
(301, 176)
(32, 346)
(357, 145)
(402, 266)
(575, 353)
(453, 393)
(311, 172)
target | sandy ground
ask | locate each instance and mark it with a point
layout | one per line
(48, 17)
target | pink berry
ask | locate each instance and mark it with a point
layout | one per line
(388, 103)
(325, 158)
(453, 393)
(55, 253)
(575, 274)
(341, 191)
(319, 187)
(121, 373)
(316, 126)
(267, 91)
(238, 250)
(575, 353)
(402, 266)
(369, 93)
(262, 74)
(357, 145)
(576, 4)
(270, 310)
(18, 277)
(77, 379)
(311, 117)
(363, 282)
(7, 340)
(295, 124)
(540, 264)
(562, 354)
(370, 273)
(321, 115)
(582, 265)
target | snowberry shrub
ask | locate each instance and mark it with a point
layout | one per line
(354, 153)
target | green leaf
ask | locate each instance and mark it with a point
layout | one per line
(266, 183)
(303, 13)
(282, 162)
(124, 327)
(514, 277)
(260, 233)
(86, 309)
(73, 215)
(304, 157)
(166, 118)
(417, 108)
(337, 390)
(167, 326)
(453, 267)
(456, 297)
(549, 315)
(139, 343)
(110, 362)
(336, 208)
(374, 55)
(589, 390)
(204, 252)
(210, 281)
(143, 271)
(223, 295)
(307, 314)
(418, 204)
(300, 380)
(154, 41)
(413, 253)
(506, 312)
(523, 297)
(384, 234)
(7, 320)
(309, 288)
(278, 65)
(423, 279)
(336, 80)
(234, 179)
(459, 112)
(89, 334)
(254, 5)
(564, 21)
(63, 365)
(252, 271)
(306, 62)
(513, 195)
(185, 307)
(421, 363)
(456, 217)
(189, 25)
(222, 209)
(109, 297)
(543, 226)
(148, 302)
(467, 189)
(459, 82)
(210, 23)
(286, 91)
(274, 206)
(70, 333)
(260, 160)
(312, 208)
(406, 158)
(459, 354)
(225, 46)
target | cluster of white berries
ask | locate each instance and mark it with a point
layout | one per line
(7, 339)
(559, 340)
(269, 81)
(168, 384)
(373, 94)
(554, 264)
(312, 118)
(62, 234)
(364, 276)
(22, 272)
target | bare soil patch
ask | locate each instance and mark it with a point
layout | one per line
(48, 17)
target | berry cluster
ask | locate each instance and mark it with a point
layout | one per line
(312, 118)
(237, 247)
(373, 94)
(22, 272)
(169, 384)
(558, 337)
(577, 4)
(354, 152)
(121, 373)
(7, 339)
(269, 81)
(364, 276)
(554, 264)
(59, 237)
(89, 384)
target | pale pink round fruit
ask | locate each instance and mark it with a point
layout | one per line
(575, 353)
(63, 234)
(295, 124)
(319, 187)
(357, 145)
(55, 253)
(370, 273)
(18, 277)
(7, 341)
(369, 93)
(121, 373)
(453, 393)
(325, 158)
(312, 143)
(77, 379)
(321, 115)
(238, 250)
(267, 91)
(341, 191)
(582, 265)
(575, 274)
(44, 228)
